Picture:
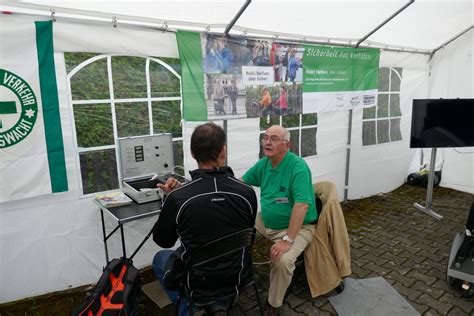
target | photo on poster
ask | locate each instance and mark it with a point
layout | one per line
(281, 98)
(287, 62)
(251, 78)
(256, 53)
(221, 55)
(225, 96)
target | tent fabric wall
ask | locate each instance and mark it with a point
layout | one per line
(54, 242)
(384, 167)
(452, 77)
(80, 37)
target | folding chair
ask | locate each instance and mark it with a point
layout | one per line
(200, 266)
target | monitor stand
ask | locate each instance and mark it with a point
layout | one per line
(429, 193)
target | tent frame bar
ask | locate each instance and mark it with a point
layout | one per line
(329, 42)
(452, 39)
(236, 17)
(410, 2)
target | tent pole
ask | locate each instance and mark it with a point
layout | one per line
(384, 22)
(236, 17)
(451, 40)
(224, 127)
(348, 156)
(287, 40)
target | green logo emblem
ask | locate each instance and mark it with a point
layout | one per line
(18, 109)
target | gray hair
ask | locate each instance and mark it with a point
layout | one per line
(287, 135)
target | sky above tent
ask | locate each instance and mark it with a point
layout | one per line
(424, 25)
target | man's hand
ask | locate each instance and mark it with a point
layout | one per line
(169, 186)
(278, 249)
(296, 221)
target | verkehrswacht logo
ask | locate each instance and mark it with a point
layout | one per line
(18, 109)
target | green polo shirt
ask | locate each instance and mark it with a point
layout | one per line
(281, 187)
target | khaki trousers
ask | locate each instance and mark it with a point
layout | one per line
(282, 271)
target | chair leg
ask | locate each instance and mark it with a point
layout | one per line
(176, 308)
(190, 308)
(258, 299)
(189, 304)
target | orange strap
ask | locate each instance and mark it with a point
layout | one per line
(117, 285)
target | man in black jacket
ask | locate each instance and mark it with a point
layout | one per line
(212, 205)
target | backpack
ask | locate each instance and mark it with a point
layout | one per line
(116, 292)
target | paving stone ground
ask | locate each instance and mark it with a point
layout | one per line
(388, 238)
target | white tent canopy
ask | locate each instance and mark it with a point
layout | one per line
(60, 234)
(424, 25)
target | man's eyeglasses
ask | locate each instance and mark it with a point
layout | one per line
(272, 139)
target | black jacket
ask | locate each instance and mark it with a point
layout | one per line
(212, 205)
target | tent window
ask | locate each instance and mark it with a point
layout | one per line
(132, 119)
(98, 170)
(302, 127)
(381, 123)
(163, 83)
(98, 115)
(120, 96)
(91, 83)
(129, 78)
(166, 117)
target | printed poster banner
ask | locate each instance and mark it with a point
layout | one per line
(339, 78)
(32, 159)
(251, 78)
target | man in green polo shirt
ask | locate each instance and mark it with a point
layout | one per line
(288, 209)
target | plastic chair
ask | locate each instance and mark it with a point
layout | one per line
(207, 255)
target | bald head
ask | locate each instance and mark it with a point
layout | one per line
(276, 143)
(280, 131)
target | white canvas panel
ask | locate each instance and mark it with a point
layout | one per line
(60, 245)
(452, 77)
(103, 38)
(242, 144)
(384, 167)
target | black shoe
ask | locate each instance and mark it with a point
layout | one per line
(219, 312)
(211, 309)
(335, 291)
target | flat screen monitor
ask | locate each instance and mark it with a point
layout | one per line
(437, 123)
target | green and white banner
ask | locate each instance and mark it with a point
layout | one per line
(228, 78)
(339, 78)
(32, 159)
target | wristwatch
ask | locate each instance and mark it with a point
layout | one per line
(288, 239)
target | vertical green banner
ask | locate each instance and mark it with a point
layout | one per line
(50, 101)
(192, 76)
